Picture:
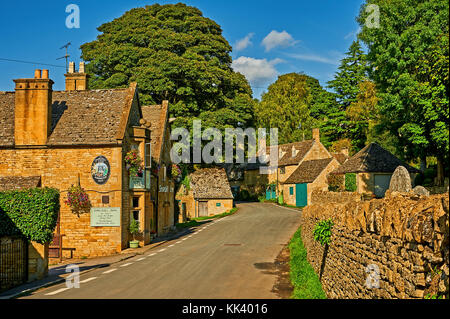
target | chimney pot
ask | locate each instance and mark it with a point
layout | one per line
(37, 74)
(82, 68)
(71, 67)
(45, 74)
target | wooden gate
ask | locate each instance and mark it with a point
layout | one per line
(13, 262)
(202, 209)
(55, 247)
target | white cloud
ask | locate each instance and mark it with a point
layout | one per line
(315, 58)
(352, 34)
(257, 71)
(245, 42)
(278, 39)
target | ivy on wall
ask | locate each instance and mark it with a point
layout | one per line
(350, 182)
(32, 213)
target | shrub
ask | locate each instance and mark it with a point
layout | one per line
(350, 182)
(244, 195)
(322, 232)
(335, 183)
(32, 213)
(134, 228)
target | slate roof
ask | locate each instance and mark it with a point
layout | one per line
(157, 116)
(210, 183)
(308, 171)
(290, 158)
(9, 183)
(373, 159)
(89, 117)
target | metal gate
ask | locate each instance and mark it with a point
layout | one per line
(13, 262)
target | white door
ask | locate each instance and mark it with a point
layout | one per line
(381, 183)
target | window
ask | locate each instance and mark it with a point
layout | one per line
(136, 207)
(291, 190)
(148, 155)
(282, 170)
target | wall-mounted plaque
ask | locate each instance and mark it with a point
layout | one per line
(100, 170)
(105, 217)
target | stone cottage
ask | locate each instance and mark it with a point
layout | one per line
(208, 194)
(290, 156)
(308, 176)
(81, 137)
(373, 166)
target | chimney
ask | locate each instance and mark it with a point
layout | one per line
(33, 109)
(344, 151)
(76, 81)
(316, 134)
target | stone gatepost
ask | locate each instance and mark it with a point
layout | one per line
(37, 261)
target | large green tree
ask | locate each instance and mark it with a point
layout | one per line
(173, 52)
(288, 104)
(346, 85)
(408, 54)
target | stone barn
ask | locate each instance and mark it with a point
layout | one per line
(208, 194)
(373, 166)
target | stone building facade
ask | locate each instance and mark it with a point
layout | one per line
(209, 193)
(61, 135)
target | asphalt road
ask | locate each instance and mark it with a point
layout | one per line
(217, 261)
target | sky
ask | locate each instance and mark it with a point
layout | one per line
(269, 38)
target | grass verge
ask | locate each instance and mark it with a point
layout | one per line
(199, 220)
(305, 281)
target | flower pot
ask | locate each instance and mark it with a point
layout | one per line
(134, 244)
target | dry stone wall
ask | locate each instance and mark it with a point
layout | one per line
(395, 247)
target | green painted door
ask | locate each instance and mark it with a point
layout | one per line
(301, 195)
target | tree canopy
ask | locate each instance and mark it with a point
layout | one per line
(409, 61)
(174, 53)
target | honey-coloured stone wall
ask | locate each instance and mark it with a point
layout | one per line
(395, 247)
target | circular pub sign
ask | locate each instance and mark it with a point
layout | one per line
(100, 170)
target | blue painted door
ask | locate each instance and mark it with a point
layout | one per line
(301, 195)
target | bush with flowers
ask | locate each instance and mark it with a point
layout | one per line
(134, 163)
(77, 199)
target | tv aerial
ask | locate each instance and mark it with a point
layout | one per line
(66, 56)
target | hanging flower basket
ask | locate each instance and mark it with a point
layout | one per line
(176, 172)
(78, 200)
(134, 163)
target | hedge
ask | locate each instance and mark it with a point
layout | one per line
(32, 213)
(350, 182)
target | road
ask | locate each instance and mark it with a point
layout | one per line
(218, 261)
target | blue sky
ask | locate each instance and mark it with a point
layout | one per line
(269, 38)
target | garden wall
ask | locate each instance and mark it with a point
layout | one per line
(395, 247)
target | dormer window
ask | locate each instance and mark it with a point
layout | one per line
(294, 151)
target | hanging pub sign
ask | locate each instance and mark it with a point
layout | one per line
(100, 170)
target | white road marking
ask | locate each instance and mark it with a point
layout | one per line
(178, 242)
(172, 245)
(152, 254)
(57, 291)
(126, 265)
(184, 239)
(109, 271)
(141, 259)
(161, 250)
(87, 280)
